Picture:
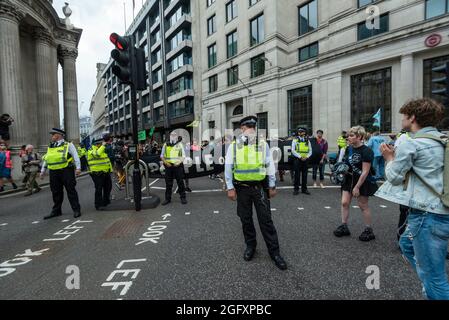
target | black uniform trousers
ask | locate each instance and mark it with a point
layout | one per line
(103, 188)
(301, 169)
(60, 179)
(257, 195)
(174, 173)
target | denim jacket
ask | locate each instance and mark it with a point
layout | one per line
(426, 158)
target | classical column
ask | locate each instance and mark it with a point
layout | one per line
(406, 90)
(71, 116)
(11, 87)
(44, 83)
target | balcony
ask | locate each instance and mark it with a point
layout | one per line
(156, 45)
(156, 66)
(171, 7)
(185, 21)
(155, 25)
(181, 95)
(158, 104)
(184, 69)
(157, 85)
(186, 44)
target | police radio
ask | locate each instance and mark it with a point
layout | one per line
(132, 152)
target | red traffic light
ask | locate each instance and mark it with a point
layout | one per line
(119, 42)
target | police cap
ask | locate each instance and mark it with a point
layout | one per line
(251, 120)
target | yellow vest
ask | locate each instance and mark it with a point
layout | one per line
(173, 154)
(81, 152)
(56, 157)
(302, 148)
(98, 160)
(249, 162)
(341, 142)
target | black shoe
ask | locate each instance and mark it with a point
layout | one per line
(2, 189)
(280, 262)
(367, 235)
(188, 189)
(295, 192)
(106, 203)
(183, 201)
(53, 215)
(100, 208)
(306, 192)
(77, 214)
(342, 230)
(165, 202)
(249, 254)
(14, 186)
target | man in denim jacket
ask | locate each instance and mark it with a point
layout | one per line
(425, 241)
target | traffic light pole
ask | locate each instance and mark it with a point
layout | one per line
(137, 178)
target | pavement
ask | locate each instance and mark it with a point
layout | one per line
(195, 251)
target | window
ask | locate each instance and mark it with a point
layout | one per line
(180, 108)
(156, 57)
(252, 2)
(258, 66)
(233, 75)
(435, 8)
(213, 83)
(146, 100)
(370, 92)
(211, 124)
(176, 40)
(365, 33)
(157, 76)
(231, 40)
(159, 114)
(363, 3)
(428, 85)
(157, 95)
(257, 30)
(209, 2)
(212, 55)
(211, 25)
(179, 85)
(308, 17)
(238, 111)
(308, 52)
(300, 108)
(262, 122)
(231, 10)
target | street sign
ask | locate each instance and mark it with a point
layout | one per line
(142, 135)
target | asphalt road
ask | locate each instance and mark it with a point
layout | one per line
(194, 251)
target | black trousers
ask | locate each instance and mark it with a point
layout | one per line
(402, 225)
(174, 173)
(103, 188)
(257, 196)
(60, 179)
(301, 170)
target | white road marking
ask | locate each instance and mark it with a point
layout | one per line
(187, 213)
(205, 191)
(325, 187)
(3, 224)
(327, 207)
(144, 188)
(65, 220)
(356, 207)
(216, 211)
(273, 209)
(300, 209)
(176, 190)
(35, 222)
(158, 188)
(382, 206)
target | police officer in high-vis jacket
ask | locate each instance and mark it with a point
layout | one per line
(173, 155)
(63, 163)
(100, 169)
(251, 180)
(302, 151)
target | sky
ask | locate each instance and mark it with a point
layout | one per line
(98, 19)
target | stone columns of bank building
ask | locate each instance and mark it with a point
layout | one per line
(11, 87)
(406, 89)
(71, 116)
(45, 83)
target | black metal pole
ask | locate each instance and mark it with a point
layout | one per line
(137, 179)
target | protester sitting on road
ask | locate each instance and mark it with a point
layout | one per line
(5, 166)
(31, 163)
(418, 166)
(358, 183)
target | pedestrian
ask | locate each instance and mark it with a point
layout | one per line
(418, 165)
(23, 152)
(82, 154)
(358, 183)
(6, 166)
(342, 141)
(378, 164)
(173, 155)
(302, 151)
(5, 122)
(100, 168)
(64, 164)
(251, 180)
(31, 163)
(323, 145)
(187, 152)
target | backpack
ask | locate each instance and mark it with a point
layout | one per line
(443, 139)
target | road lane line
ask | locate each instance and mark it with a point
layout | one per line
(187, 213)
(3, 224)
(327, 207)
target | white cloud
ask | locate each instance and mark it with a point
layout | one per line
(98, 19)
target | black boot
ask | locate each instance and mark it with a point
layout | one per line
(166, 201)
(53, 215)
(77, 214)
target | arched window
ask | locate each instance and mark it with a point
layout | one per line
(238, 111)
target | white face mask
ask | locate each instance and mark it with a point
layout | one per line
(173, 140)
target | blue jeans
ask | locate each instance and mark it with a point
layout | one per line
(424, 244)
(379, 167)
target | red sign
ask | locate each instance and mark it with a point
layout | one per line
(433, 40)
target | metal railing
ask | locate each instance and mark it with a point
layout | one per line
(128, 182)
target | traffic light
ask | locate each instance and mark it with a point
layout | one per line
(441, 81)
(129, 62)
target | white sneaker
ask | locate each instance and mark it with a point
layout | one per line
(322, 186)
(314, 185)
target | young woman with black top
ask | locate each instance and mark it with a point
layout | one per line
(358, 183)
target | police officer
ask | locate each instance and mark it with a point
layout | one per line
(63, 163)
(82, 154)
(302, 151)
(251, 180)
(100, 169)
(341, 141)
(173, 156)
